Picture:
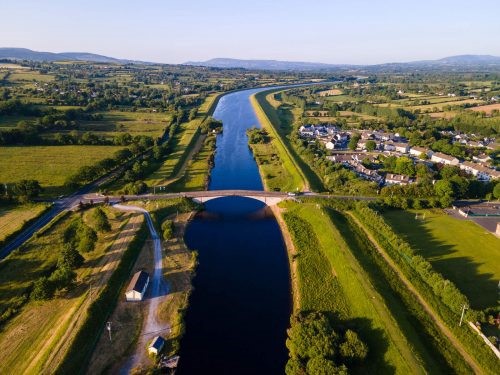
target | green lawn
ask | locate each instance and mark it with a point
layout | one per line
(267, 116)
(12, 218)
(461, 250)
(331, 280)
(50, 165)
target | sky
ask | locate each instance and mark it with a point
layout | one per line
(176, 31)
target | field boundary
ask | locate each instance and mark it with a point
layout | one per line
(442, 326)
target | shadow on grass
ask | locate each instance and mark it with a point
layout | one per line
(412, 328)
(480, 288)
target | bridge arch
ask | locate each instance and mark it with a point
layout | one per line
(269, 201)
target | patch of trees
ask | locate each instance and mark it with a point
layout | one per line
(210, 125)
(62, 277)
(256, 135)
(315, 348)
(167, 228)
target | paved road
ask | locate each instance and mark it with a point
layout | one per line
(83, 195)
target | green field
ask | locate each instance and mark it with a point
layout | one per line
(181, 145)
(50, 165)
(459, 249)
(268, 117)
(12, 218)
(136, 123)
(331, 280)
(197, 171)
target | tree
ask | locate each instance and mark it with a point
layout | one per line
(62, 278)
(321, 366)
(42, 289)
(496, 191)
(353, 142)
(443, 188)
(27, 189)
(168, 229)
(404, 165)
(353, 349)
(371, 145)
(101, 221)
(86, 238)
(311, 336)
(69, 258)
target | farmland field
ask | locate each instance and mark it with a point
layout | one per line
(459, 249)
(135, 123)
(50, 165)
(13, 218)
(486, 108)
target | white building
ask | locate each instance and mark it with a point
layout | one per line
(417, 151)
(156, 345)
(439, 157)
(397, 179)
(137, 287)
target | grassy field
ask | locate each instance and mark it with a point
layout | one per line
(36, 339)
(136, 123)
(50, 165)
(331, 280)
(459, 249)
(9, 122)
(181, 144)
(268, 117)
(197, 172)
(12, 218)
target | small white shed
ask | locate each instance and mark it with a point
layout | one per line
(137, 287)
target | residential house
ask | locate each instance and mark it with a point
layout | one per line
(401, 147)
(480, 171)
(397, 179)
(439, 157)
(481, 158)
(417, 151)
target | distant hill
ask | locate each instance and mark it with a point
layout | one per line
(264, 64)
(470, 62)
(27, 54)
(456, 61)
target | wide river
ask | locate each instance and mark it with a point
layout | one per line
(241, 304)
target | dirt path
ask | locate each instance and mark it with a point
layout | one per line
(291, 251)
(446, 331)
(158, 291)
(197, 147)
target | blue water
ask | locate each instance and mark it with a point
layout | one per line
(234, 164)
(241, 304)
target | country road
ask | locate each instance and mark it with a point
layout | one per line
(158, 290)
(83, 195)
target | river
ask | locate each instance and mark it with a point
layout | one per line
(240, 308)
